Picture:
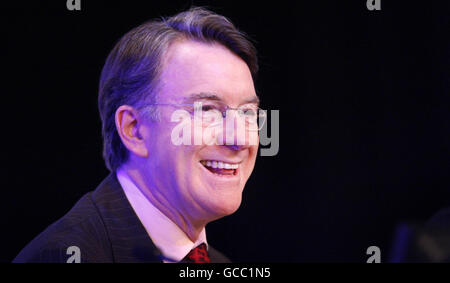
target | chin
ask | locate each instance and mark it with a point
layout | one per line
(225, 208)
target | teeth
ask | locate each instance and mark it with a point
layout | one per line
(219, 164)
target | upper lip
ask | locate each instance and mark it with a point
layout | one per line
(224, 161)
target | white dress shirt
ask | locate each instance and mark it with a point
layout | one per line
(173, 243)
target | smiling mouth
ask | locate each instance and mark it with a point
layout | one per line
(220, 168)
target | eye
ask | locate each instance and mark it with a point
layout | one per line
(249, 112)
(207, 108)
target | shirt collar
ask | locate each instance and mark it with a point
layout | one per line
(173, 243)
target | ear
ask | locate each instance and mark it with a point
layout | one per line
(128, 126)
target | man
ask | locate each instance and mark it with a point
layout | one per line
(160, 195)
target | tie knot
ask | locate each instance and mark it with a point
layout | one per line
(198, 255)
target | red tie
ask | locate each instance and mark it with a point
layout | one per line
(198, 255)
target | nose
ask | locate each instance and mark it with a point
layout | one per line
(235, 134)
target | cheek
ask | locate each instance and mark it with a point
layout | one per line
(253, 153)
(251, 160)
(162, 149)
(253, 139)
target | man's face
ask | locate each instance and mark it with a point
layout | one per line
(177, 174)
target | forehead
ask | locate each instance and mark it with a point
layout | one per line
(191, 67)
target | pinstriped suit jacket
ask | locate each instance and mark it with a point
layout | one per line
(104, 227)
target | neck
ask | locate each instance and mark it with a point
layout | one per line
(191, 227)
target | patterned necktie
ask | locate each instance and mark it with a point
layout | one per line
(198, 255)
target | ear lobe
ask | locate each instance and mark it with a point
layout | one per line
(128, 128)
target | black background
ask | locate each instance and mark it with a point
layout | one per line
(364, 120)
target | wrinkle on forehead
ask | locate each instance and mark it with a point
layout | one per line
(208, 70)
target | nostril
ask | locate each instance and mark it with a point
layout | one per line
(234, 146)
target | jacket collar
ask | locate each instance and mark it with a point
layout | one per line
(129, 239)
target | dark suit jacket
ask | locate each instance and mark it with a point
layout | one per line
(105, 228)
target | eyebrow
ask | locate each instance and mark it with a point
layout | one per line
(214, 97)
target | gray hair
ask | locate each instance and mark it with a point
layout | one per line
(131, 71)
